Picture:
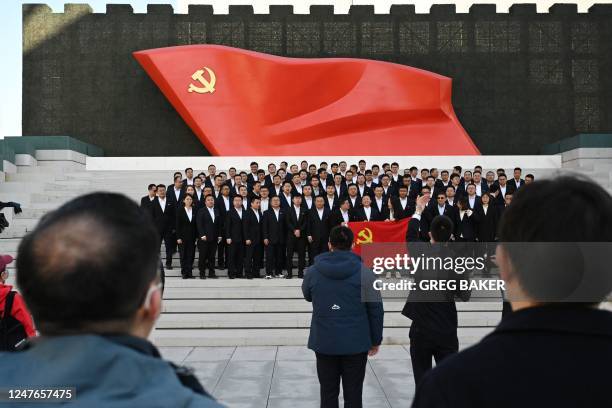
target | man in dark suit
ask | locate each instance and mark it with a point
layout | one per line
(433, 332)
(176, 193)
(296, 220)
(317, 232)
(340, 185)
(353, 196)
(474, 202)
(331, 199)
(269, 178)
(285, 196)
(516, 182)
(188, 181)
(365, 212)
(530, 345)
(253, 239)
(439, 207)
(252, 177)
(273, 234)
(504, 188)
(403, 206)
(379, 202)
(208, 222)
(234, 237)
(388, 189)
(146, 201)
(466, 222)
(163, 212)
(341, 215)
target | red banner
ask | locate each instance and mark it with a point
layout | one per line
(245, 103)
(392, 233)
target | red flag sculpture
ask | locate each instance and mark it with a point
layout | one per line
(244, 103)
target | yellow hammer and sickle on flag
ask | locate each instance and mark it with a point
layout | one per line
(364, 236)
(208, 86)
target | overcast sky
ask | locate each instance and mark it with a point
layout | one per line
(10, 32)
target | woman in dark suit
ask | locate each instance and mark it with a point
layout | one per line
(186, 233)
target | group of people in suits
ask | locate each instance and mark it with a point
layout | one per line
(249, 221)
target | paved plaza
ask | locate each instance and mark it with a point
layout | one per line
(286, 377)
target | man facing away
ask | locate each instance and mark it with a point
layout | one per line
(95, 302)
(347, 319)
(548, 351)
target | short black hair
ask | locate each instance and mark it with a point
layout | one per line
(188, 168)
(341, 238)
(441, 228)
(161, 186)
(151, 186)
(72, 280)
(586, 211)
(254, 163)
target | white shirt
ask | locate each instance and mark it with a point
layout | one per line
(472, 201)
(190, 182)
(211, 211)
(177, 193)
(517, 182)
(227, 203)
(361, 189)
(323, 183)
(345, 215)
(368, 212)
(450, 201)
(278, 190)
(245, 204)
(287, 197)
(379, 203)
(441, 209)
(485, 208)
(256, 214)
(189, 212)
(162, 203)
(308, 201)
(353, 200)
(502, 190)
(330, 202)
(321, 211)
(478, 189)
(239, 211)
(298, 188)
(374, 179)
(297, 212)
(265, 204)
(403, 202)
(276, 213)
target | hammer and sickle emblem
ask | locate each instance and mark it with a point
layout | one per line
(207, 86)
(364, 236)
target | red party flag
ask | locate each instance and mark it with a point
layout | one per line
(392, 234)
(245, 103)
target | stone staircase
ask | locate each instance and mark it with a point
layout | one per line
(220, 312)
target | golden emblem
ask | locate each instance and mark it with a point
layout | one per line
(208, 86)
(364, 236)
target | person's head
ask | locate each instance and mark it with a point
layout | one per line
(517, 173)
(529, 178)
(261, 175)
(467, 176)
(490, 177)
(375, 169)
(312, 170)
(212, 170)
(237, 202)
(457, 169)
(547, 273)
(502, 179)
(340, 239)
(272, 168)
(441, 229)
(455, 179)
(275, 202)
(342, 166)
(276, 180)
(431, 181)
(287, 187)
(462, 203)
(344, 204)
(450, 192)
(188, 200)
(161, 191)
(283, 165)
(394, 167)
(348, 175)
(366, 201)
(378, 191)
(282, 172)
(314, 181)
(243, 191)
(256, 187)
(178, 182)
(441, 199)
(197, 182)
(352, 190)
(75, 283)
(189, 173)
(177, 174)
(478, 168)
(254, 167)
(4, 261)
(362, 165)
(319, 202)
(209, 201)
(264, 191)
(434, 173)
(307, 191)
(471, 189)
(323, 173)
(297, 200)
(424, 174)
(477, 177)
(207, 190)
(323, 165)
(334, 168)
(218, 180)
(338, 179)
(368, 176)
(426, 191)
(330, 190)
(190, 190)
(385, 180)
(225, 190)
(255, 203)
(406, 181)
(508, 198)
(414, 171)
(445, 175)
(244, 177)
(485, 198)
(296, 179)
(303, 175)
(152, 189)
(386, 167)
(293, 169)
(500, 171)
(403, 191)
(303, 165)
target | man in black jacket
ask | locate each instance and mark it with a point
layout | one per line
(252, 239)
(295, 219)
(317, 231)
(234, 237)
(163, 212)
(208, 221)
(551, 350)
(433, 331)
(145, 202)
(273, 234)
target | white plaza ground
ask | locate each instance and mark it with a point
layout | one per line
(246, 339)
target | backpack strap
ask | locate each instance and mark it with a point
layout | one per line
(8, 305)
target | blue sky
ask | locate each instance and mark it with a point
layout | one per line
(10, 46)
